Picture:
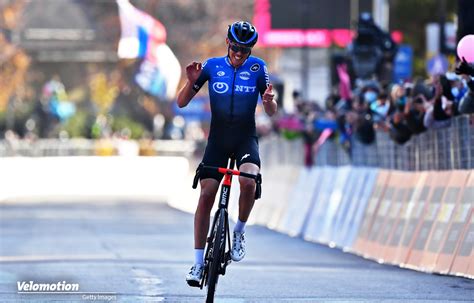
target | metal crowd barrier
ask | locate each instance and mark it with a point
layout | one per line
(85, 147)
(275, 150)
(436, 149)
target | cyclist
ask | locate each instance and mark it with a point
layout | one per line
(235, 81)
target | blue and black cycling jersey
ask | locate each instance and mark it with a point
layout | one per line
(233, 93)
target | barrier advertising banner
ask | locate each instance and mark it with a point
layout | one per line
(428, 218)
(362, 241)
(413, 222)
(403, 190)
(413, 191)
(450, 200)
(454, 231)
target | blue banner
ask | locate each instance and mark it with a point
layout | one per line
(403, 63)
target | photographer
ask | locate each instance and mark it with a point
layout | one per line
(398, 128)
(466, 70)
(440, 110)
(414, 110)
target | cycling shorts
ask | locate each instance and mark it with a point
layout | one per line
(218, 152)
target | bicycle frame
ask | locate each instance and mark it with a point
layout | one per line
(216, 262)
(221, 211)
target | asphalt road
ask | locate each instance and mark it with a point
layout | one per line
(128, 251)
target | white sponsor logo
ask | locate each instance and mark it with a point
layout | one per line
(255, 67)
(224, 195)
(220, 73)
(244, 75)
(245, 156)
(243, 88)
(31, 286)
(220, 87)
(267, 77)
(204, 64)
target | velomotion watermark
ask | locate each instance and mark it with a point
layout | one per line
(47, 287)
(62, 287)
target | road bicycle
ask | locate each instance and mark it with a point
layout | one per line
(217, 253)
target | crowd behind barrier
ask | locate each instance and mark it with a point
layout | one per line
(415, 125)
(436, 149)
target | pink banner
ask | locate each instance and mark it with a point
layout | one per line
(295, 37)
(299, 37)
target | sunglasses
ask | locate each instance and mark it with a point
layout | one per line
(243, 49)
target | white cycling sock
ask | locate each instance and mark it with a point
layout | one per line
(198, 256)
(239, 226)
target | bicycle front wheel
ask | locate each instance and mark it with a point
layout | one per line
(217, 255)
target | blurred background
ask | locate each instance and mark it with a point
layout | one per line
(100, 75)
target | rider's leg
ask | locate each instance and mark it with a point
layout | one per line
(247, 191)
(246, 201)
(209, 189)
(201, 225)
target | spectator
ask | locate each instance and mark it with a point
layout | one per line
(381, 108)
(370, 93)
(414, 112)
(466, 103)
(398, 129)
(364, 129)
(439, 113)
(397, 125)
(398, 96)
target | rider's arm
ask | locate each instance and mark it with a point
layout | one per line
(266, 92)
(186, 93)
(270, 107)
(197, 75)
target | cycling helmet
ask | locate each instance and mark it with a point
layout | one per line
(243, 32)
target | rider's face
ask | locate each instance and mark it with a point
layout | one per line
(237, 53)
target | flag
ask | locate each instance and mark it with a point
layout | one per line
(140, 32)
(160, 78)
(142, 36)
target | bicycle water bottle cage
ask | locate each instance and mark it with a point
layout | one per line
(197, 175)
(258, 189)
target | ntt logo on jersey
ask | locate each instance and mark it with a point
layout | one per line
(246, 89)
(220, 87)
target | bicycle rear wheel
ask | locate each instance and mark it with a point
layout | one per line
(218, 246)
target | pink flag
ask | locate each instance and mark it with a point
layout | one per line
(344, 82)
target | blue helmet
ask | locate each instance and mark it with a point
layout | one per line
(243, 32)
